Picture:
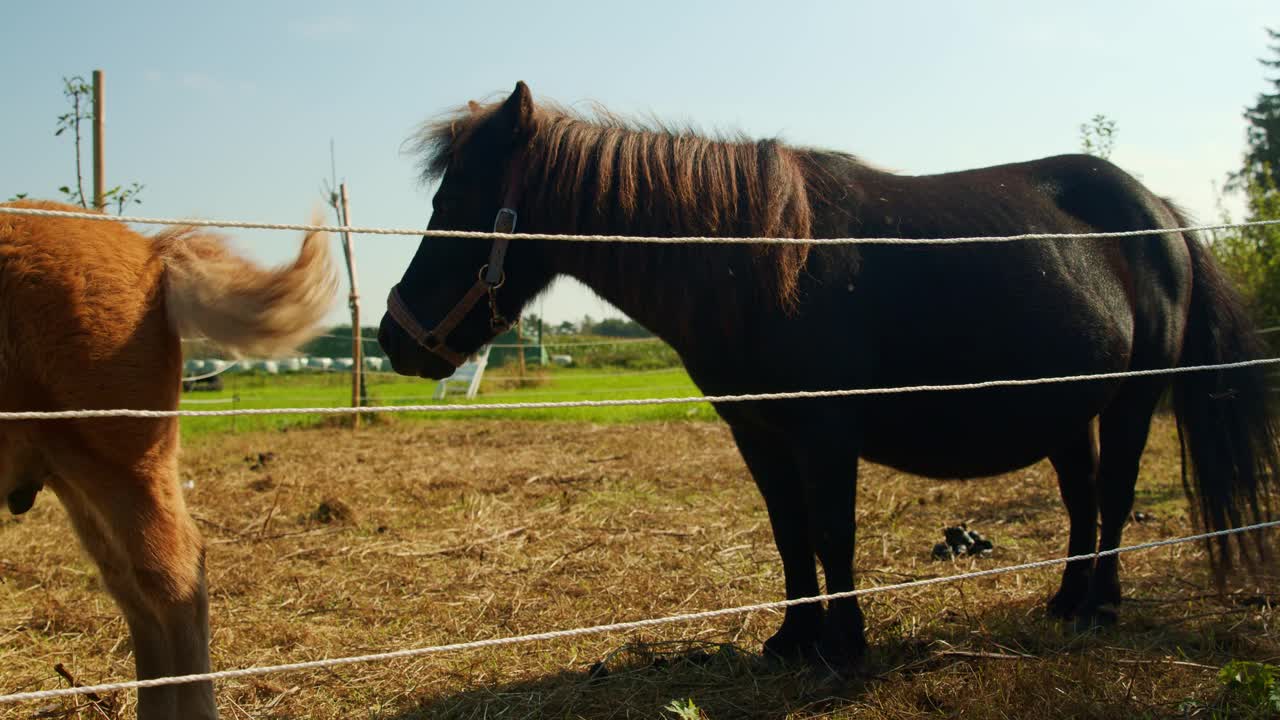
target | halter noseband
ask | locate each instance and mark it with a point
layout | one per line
(489, 278)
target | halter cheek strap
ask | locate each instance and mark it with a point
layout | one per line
(489, 279)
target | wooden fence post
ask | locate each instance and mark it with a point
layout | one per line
(358, 392)
(99, 184)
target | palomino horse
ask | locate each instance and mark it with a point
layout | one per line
(767, 318)
(91, 316)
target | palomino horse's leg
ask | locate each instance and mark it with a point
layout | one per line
(134, 524)
(191, 653)
(1123, 436)
(1077, 467)
(769, 459)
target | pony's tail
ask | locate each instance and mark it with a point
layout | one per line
(213, 293)
(1231, 469)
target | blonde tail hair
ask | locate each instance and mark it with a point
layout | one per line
(213, 293)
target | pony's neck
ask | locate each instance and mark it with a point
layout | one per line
(607, 180)
(625, 276)
(666, 288)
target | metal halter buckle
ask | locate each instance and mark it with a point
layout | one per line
(510, 226)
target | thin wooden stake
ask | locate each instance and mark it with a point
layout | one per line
(520, 345)
(357, 340)
(99, 184)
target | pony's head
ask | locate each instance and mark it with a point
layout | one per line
(457, 294)
(563, 172)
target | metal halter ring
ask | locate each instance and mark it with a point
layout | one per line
(501, 280)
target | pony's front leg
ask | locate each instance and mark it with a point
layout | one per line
(773, 467)
(830, 475)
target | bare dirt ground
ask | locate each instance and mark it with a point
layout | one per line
(331, 542)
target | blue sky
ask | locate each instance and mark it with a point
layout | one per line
(226, 110)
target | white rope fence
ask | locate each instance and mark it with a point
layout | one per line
(215, 373)
(713, 240)
(545, 342)
(611, 627)
(211, 401)
(636, 624)
(751, 397)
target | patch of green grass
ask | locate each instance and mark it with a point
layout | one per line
(1249, 690)
(685, 710)
(542, 385)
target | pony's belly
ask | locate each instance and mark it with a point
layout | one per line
(942, 439)
(941, 461)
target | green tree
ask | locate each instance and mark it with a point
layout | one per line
(1098, 136)
(336, 343)
(1251, 256)
(79, 94)
(620, 327)
(1262, 138)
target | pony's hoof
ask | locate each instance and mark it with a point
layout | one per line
(1062, 606)
(842, 656)
(780, 650)
(1096, 618)
(797, 639)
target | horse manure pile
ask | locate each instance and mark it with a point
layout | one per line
(959, 540)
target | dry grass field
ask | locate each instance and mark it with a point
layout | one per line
(327, 542)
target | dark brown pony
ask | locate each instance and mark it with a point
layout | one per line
(766, 318)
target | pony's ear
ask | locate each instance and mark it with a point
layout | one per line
(474, 106)
(518, 110)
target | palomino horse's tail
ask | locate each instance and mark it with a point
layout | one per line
(1231, 468)
(211, 292)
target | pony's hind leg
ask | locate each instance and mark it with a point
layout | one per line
(1123, 430)
(133, 523)
(1077, 466)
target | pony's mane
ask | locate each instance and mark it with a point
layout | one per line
(600, 172)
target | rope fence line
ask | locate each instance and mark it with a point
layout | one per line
(211, 401)
(395, 377)
(652, 622)
(569, 343)
(215, 373)
(752, 397)
(611, 627)
(467, 234)
(544, 342)
(242, 398)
